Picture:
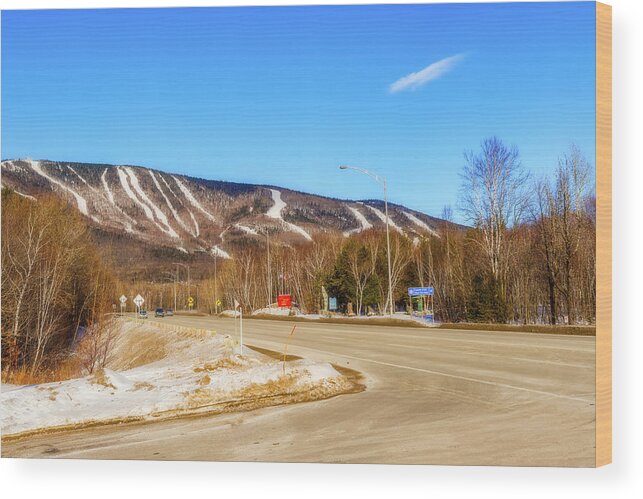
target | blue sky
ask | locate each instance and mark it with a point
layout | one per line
(283, 95)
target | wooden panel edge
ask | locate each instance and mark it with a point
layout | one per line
(603, 234)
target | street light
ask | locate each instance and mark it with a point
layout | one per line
(382, 182)
(177, 275)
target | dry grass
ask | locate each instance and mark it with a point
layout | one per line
(138, 349)
(205, 380)
(99, 378)
(143, 385)
(68, 369)
(223, 363)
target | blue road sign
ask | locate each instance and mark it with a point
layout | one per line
(421, 291)
(332, 303)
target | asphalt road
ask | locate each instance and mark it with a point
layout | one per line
(433, 396)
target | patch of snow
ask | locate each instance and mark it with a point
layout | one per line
(231, 313)
(181, 248)
(382, 217)
(276, 311)
(157, 211)
(196, 224)
(275, 212)
(246, 229)
(216, 251)
(419, 223)
(192, 200)
(169, 204)
(80, 201)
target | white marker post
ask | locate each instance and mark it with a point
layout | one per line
(237, 305)
(122, 299)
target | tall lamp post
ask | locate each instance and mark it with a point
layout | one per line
(382, 182)
(177, 274)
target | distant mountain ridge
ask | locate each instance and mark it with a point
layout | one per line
(193, 215)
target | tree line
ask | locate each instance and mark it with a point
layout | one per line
(527, 257)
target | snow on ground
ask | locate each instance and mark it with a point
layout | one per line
(216, 251)
(230, 313)
(192, 200)
(247, 230)
(275, 212)
(168, 203)
(275, 311)
(157, 211)
(160, 369)
(365, 224)
(382, 216)
(81, 202)
(420, 223)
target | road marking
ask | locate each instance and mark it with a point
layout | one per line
(466, 378)
(477, 354)
(446, 375)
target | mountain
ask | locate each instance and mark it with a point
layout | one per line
(168, 215)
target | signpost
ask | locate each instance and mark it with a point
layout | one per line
(284, 301)
(138, 301)
(190, 302)
(122, 299)
(424, 298)
(332, 303)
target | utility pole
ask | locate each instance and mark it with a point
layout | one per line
(382, 182)
(216, 301)
(269, 270)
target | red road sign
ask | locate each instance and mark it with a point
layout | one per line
(284, 301)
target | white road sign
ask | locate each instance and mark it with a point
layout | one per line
(139, 300)
(123, 299)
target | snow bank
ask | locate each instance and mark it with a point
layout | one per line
(158, 370)
(276, 311)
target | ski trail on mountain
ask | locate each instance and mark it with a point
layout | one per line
(81, 202)
(146, 209)
(196, 224)
(157, 211)
(169, 204)
(110, 198)
(275, 212)
(364, 224)
(82, 179)
(192, 200)
(382, 217)
(420, 223)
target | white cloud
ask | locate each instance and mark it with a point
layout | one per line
(434, 71)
